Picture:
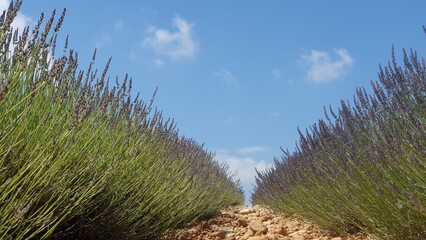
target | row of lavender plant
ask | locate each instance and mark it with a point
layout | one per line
(361, 168)
(81, 159)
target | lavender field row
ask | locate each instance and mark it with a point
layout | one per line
(81, 158)
(362, 167)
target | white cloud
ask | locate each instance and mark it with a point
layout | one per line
(107, 38)
(275, 114)
(227, 77)
(229, 121)
(244, 167)
(176, 45)
(276, 73)
(158, 62)
(19, 23)
(104, 41)
(4, 4)
(251, 150)
(133, 56)
(118, 25)
(323, 69)
(21, 20)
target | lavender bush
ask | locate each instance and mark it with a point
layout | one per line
(362, 167)
(81, 159)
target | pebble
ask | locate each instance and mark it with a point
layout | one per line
(244, 211)
(258, 227)
(257, 238)
(242, 222)
(220, 234)
(254, 223)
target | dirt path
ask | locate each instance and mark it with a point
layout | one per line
(254, 223)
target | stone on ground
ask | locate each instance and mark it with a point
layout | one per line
(255, 223)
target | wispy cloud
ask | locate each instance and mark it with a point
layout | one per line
(227, 77)
(276, 73)
(107, 37)
(176, 45)
(244, 167)
(275, 114)
(118, 25)
(158, 62)
(229, 121)
(251, 150)
(104, 41)
(323, 69)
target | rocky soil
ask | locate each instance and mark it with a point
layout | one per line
(254, 223)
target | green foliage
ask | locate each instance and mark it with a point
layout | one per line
(362, 169)
(82, 160)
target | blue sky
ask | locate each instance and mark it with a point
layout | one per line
(240, 76)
